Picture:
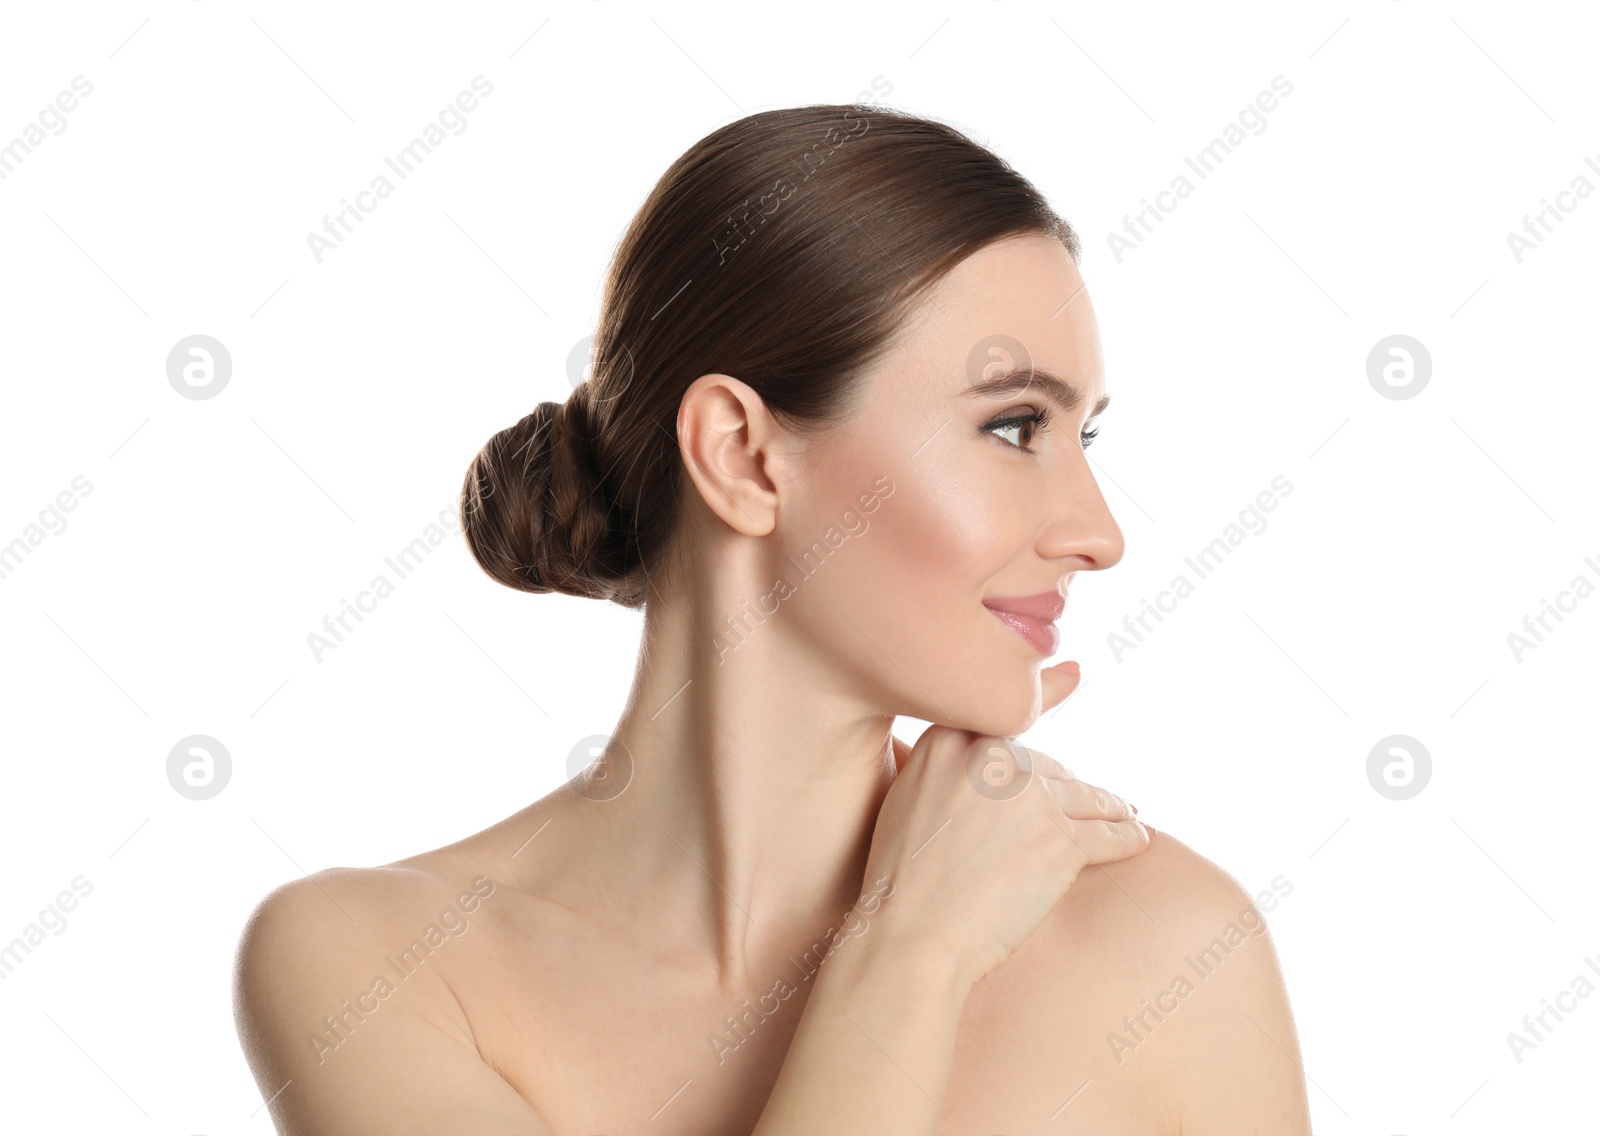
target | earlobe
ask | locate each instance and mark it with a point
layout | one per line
(725, 434)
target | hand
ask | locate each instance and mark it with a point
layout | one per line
(979, 837)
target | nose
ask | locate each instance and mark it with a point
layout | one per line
(1080, 522)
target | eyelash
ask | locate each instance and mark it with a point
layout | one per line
(1041, 422)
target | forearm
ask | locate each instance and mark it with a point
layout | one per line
(873, 1049)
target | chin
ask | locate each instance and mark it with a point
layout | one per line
(1004, 712)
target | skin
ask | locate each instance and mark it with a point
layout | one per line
(580, 993)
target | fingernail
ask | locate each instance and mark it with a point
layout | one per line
(1148, 827)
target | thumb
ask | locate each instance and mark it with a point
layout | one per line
(1057, 683)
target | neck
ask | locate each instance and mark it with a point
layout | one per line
(757, 775)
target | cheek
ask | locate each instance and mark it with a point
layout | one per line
(932, 541)
(900, 601)
(936, 543)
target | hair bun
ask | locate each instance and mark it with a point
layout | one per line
(535, 510)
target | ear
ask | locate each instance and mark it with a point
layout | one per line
(726, 435)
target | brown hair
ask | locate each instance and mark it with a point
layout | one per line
(785, 249)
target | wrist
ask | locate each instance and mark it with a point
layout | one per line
(920, 970)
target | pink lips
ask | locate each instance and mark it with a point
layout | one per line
(1033, 617)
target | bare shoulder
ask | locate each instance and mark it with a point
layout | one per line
(321, 915)
(1137, 923)
(326, 932)
(341, 985)
(1201, 998)
(1173, 890)
(340, 922)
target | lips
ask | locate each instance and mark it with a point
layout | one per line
(1032, 617)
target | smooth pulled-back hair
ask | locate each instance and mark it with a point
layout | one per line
(784, 249)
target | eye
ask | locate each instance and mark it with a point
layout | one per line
(1086, 439)
(1034, 422)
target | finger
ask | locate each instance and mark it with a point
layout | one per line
(1057, 683)
(1083, 801)
(1107, 841)
(1046, 765)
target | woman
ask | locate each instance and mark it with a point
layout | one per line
(833, 446)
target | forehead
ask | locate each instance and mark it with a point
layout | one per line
(1018, 302)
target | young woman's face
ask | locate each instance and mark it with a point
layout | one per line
(941, 494)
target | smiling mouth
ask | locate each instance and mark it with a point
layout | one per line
(1032, 617)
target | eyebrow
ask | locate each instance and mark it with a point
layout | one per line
(1019, 379)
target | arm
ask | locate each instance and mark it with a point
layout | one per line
(873, 1049)
(1228, 1048)
(407, 1066)
(876, 1041)
(1244, 1072)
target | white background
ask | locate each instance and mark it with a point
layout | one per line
(219, 532)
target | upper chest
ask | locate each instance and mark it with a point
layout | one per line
(604, 1039)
